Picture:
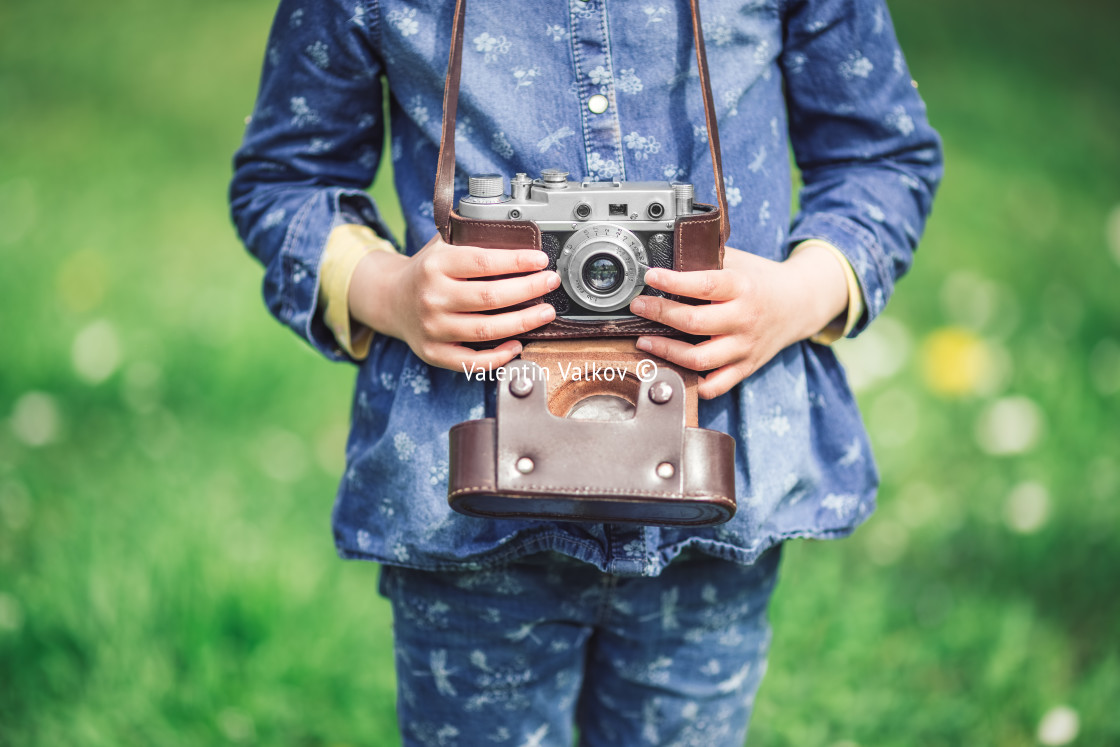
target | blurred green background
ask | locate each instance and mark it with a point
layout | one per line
(168, 453)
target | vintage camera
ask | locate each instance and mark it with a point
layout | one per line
(641, 458)
(600, 237)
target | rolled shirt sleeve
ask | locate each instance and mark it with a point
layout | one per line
(842, 325)
(869, 159)
(310, 150)
(346, 247)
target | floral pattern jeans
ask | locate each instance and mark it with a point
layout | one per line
(522, 654)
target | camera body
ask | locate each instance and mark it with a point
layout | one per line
(600, 237)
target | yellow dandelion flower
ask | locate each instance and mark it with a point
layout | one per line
(955, 362)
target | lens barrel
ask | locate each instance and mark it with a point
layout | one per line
(600, 268)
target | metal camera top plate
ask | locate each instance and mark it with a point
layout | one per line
(554, 207)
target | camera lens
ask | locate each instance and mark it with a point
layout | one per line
(602, 273)
(600, 268)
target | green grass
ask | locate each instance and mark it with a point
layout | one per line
(166, 568)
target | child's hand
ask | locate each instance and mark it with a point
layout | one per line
(758, 307)
(431, 300)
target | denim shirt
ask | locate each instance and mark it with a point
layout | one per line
(825, 77)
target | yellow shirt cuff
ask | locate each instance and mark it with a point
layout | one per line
(346, 246)
(843, 324)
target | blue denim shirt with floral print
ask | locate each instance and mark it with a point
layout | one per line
(825, 77)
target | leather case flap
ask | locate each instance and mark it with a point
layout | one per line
(650, 469)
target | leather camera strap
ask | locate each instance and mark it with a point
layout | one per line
(445, 172)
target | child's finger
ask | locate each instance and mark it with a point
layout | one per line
(483, 327)
(704, 356)
(485, 295)
(706, 319)
(722, 380)
(456, 357)
(476, 262)
(708, 285)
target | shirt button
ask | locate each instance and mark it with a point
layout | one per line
(598, 103)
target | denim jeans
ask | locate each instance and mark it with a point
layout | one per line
(521, 654)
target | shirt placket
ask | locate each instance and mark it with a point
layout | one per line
(627, 547)
(591, 52)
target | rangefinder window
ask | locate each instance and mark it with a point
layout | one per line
(620, 209)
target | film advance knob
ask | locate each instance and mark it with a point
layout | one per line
(487, 186)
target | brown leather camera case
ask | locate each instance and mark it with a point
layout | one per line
(649, 469)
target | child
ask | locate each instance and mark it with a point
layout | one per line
(510, 632)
